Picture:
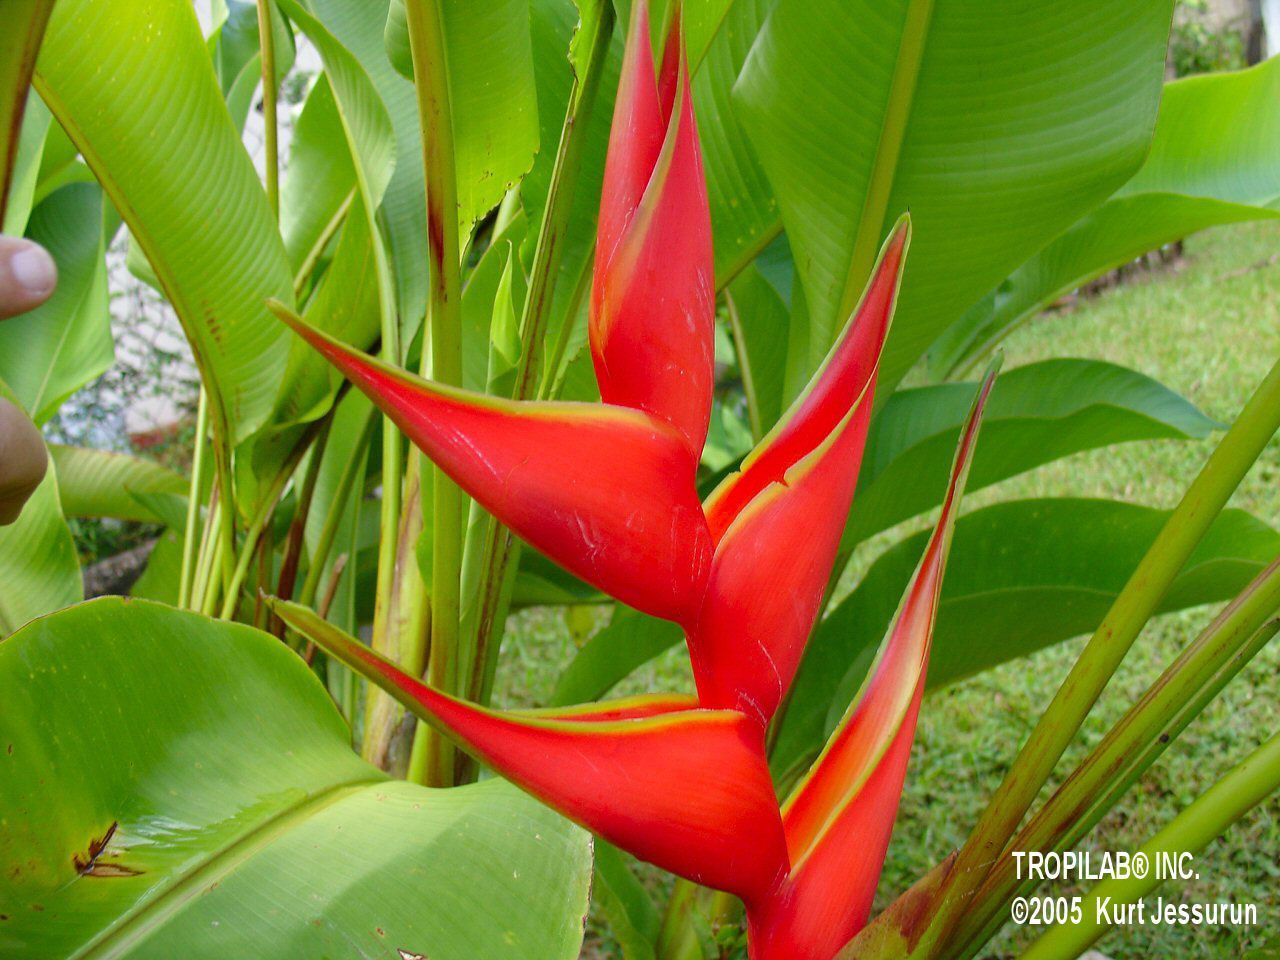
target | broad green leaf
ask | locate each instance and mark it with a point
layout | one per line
(358, 287)
(744, 213)
(346, 306)
(344, 446)
(759, 319)
(491, 96)
(28, 161)
(630, 639)
(625, 903)
(1212, 161)
(1022, 575)
(39, 570)
(100, 483)
(159, 581)
(555, 29)
(318, 180)
(365, 121)
(174, 167)
(53, 350)
(201, 801)
(996, 124)
(25, 22)
(1037, 413)
(358, 25)
(540, 582)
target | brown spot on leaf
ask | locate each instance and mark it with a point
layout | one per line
(87, 864)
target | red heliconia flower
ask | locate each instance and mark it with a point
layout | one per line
(608, 491)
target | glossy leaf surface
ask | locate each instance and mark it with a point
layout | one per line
(101, 483)
(1041, 111)
(1038, 413)
(169, 838)
(216, 252)
(1211, 162)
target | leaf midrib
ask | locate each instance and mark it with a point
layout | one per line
(884, 166)
(137, 924)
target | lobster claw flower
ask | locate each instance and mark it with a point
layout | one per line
(608, 491)
(605, 491)
(674, 784)
(838, 819)
(776, 523)
(652, 310)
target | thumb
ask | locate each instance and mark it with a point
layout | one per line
(22, 460)
(27, 276)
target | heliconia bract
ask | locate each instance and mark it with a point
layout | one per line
(608, 491)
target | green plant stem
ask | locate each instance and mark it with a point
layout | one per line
(267, 44)
(193, 502)
(1239, 791)
(431, 83)
(322, 241)
(204, 559)
(1195, 677)
(499, 550)
(554, 380)
(678, 940)
(559, 207)
(266, 508)
(353, 468)
(1136, 603)
(213, 586)
(298, 525)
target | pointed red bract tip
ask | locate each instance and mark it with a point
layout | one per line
(846, 374)
(686, 789)
(769, 575)
(652, 312)
(839, 818)
(606, 492)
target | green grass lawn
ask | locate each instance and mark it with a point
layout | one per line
(1208, 327)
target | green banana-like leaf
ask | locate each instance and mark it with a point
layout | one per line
(760, 321)
(318, 181)
(996, 124)
(202, 801)
(39, 569)
(53, 350)
(491, 95)
(25, 22)
(1037, 413)
(357, 290)
(744, 213)
(625, 903)
(28, 161)
(357, 287)
(358, 25)
(1212, 161)
(101, 483)
(174, 167)
(561, 44)
(1022, 575)
(629, 640)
